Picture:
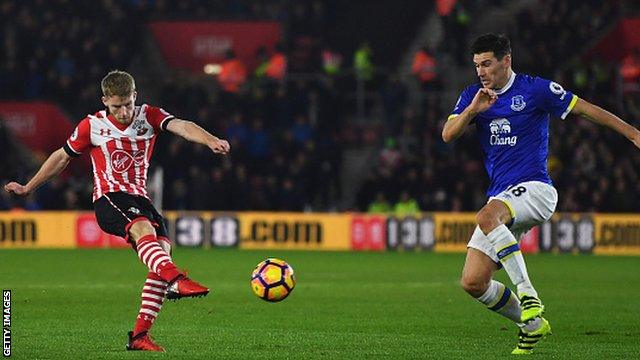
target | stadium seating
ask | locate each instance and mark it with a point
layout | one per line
(289, 138)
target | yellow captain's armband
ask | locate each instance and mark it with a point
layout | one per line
(573, 102)
(452, 116)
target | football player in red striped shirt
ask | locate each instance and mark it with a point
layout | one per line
(120, 141)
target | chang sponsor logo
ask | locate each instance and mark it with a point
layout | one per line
(500, 130)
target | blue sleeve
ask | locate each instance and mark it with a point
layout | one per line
(553, 98)
(463, 101)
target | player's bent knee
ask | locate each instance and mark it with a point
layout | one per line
(140, 229)
(473, 286)
(487, 221)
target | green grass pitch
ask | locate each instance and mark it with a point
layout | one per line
(79, 304)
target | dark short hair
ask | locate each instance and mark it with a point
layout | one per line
(499, 44)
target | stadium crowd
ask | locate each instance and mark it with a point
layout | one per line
(592, 167)
(288, 135)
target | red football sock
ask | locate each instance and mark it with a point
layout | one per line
(157, 260)
(152, 298)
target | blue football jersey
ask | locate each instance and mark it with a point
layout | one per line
(514, 132)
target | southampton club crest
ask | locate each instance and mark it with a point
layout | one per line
(139, 126)
(517, 103)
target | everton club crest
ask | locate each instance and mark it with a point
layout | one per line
(517, 103)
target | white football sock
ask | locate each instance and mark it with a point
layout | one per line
(502, 300)
(508, 252)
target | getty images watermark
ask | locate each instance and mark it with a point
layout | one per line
(6, 323)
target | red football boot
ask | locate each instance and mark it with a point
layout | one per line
(185, 287)
(143, 342)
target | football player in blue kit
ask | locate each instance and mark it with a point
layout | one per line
(511, 115)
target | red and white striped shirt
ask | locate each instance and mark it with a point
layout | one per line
(119, 153)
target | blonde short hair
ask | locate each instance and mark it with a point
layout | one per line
(118, 83)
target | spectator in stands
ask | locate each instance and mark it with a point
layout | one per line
(394, 98)
(71, 200)
(390, 158)
(630, 72)
(29, 69)
(458, 28)
(277, 68)
(290, 196)
(258, 145)
(444, 7)
(331, 61)
(255, 198)
(237, 131)
(424, 69)
(240, 189)
(262, 61)
(218, 194)
(233, 73)
(34, 81)
(406, 205)
(65, 65)
(14, 160)
(380, 205)
(199, 188)
(302, 130)
(631, 106)
(408, 142)
(362, 62)
(6, 203)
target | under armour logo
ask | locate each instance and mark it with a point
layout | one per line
(104, 132)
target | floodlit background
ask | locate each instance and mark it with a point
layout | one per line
(322, 130)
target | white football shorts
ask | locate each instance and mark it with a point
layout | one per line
(531, 203)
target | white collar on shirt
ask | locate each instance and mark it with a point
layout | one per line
(512, 78)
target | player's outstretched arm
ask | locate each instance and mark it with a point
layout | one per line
(53, 166)
(601, 116)
(454, 127)
(194, 133)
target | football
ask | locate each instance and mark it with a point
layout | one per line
(273, 280)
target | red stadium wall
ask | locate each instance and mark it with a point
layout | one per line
(40, 125)
(191, 45)
(620, 41)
